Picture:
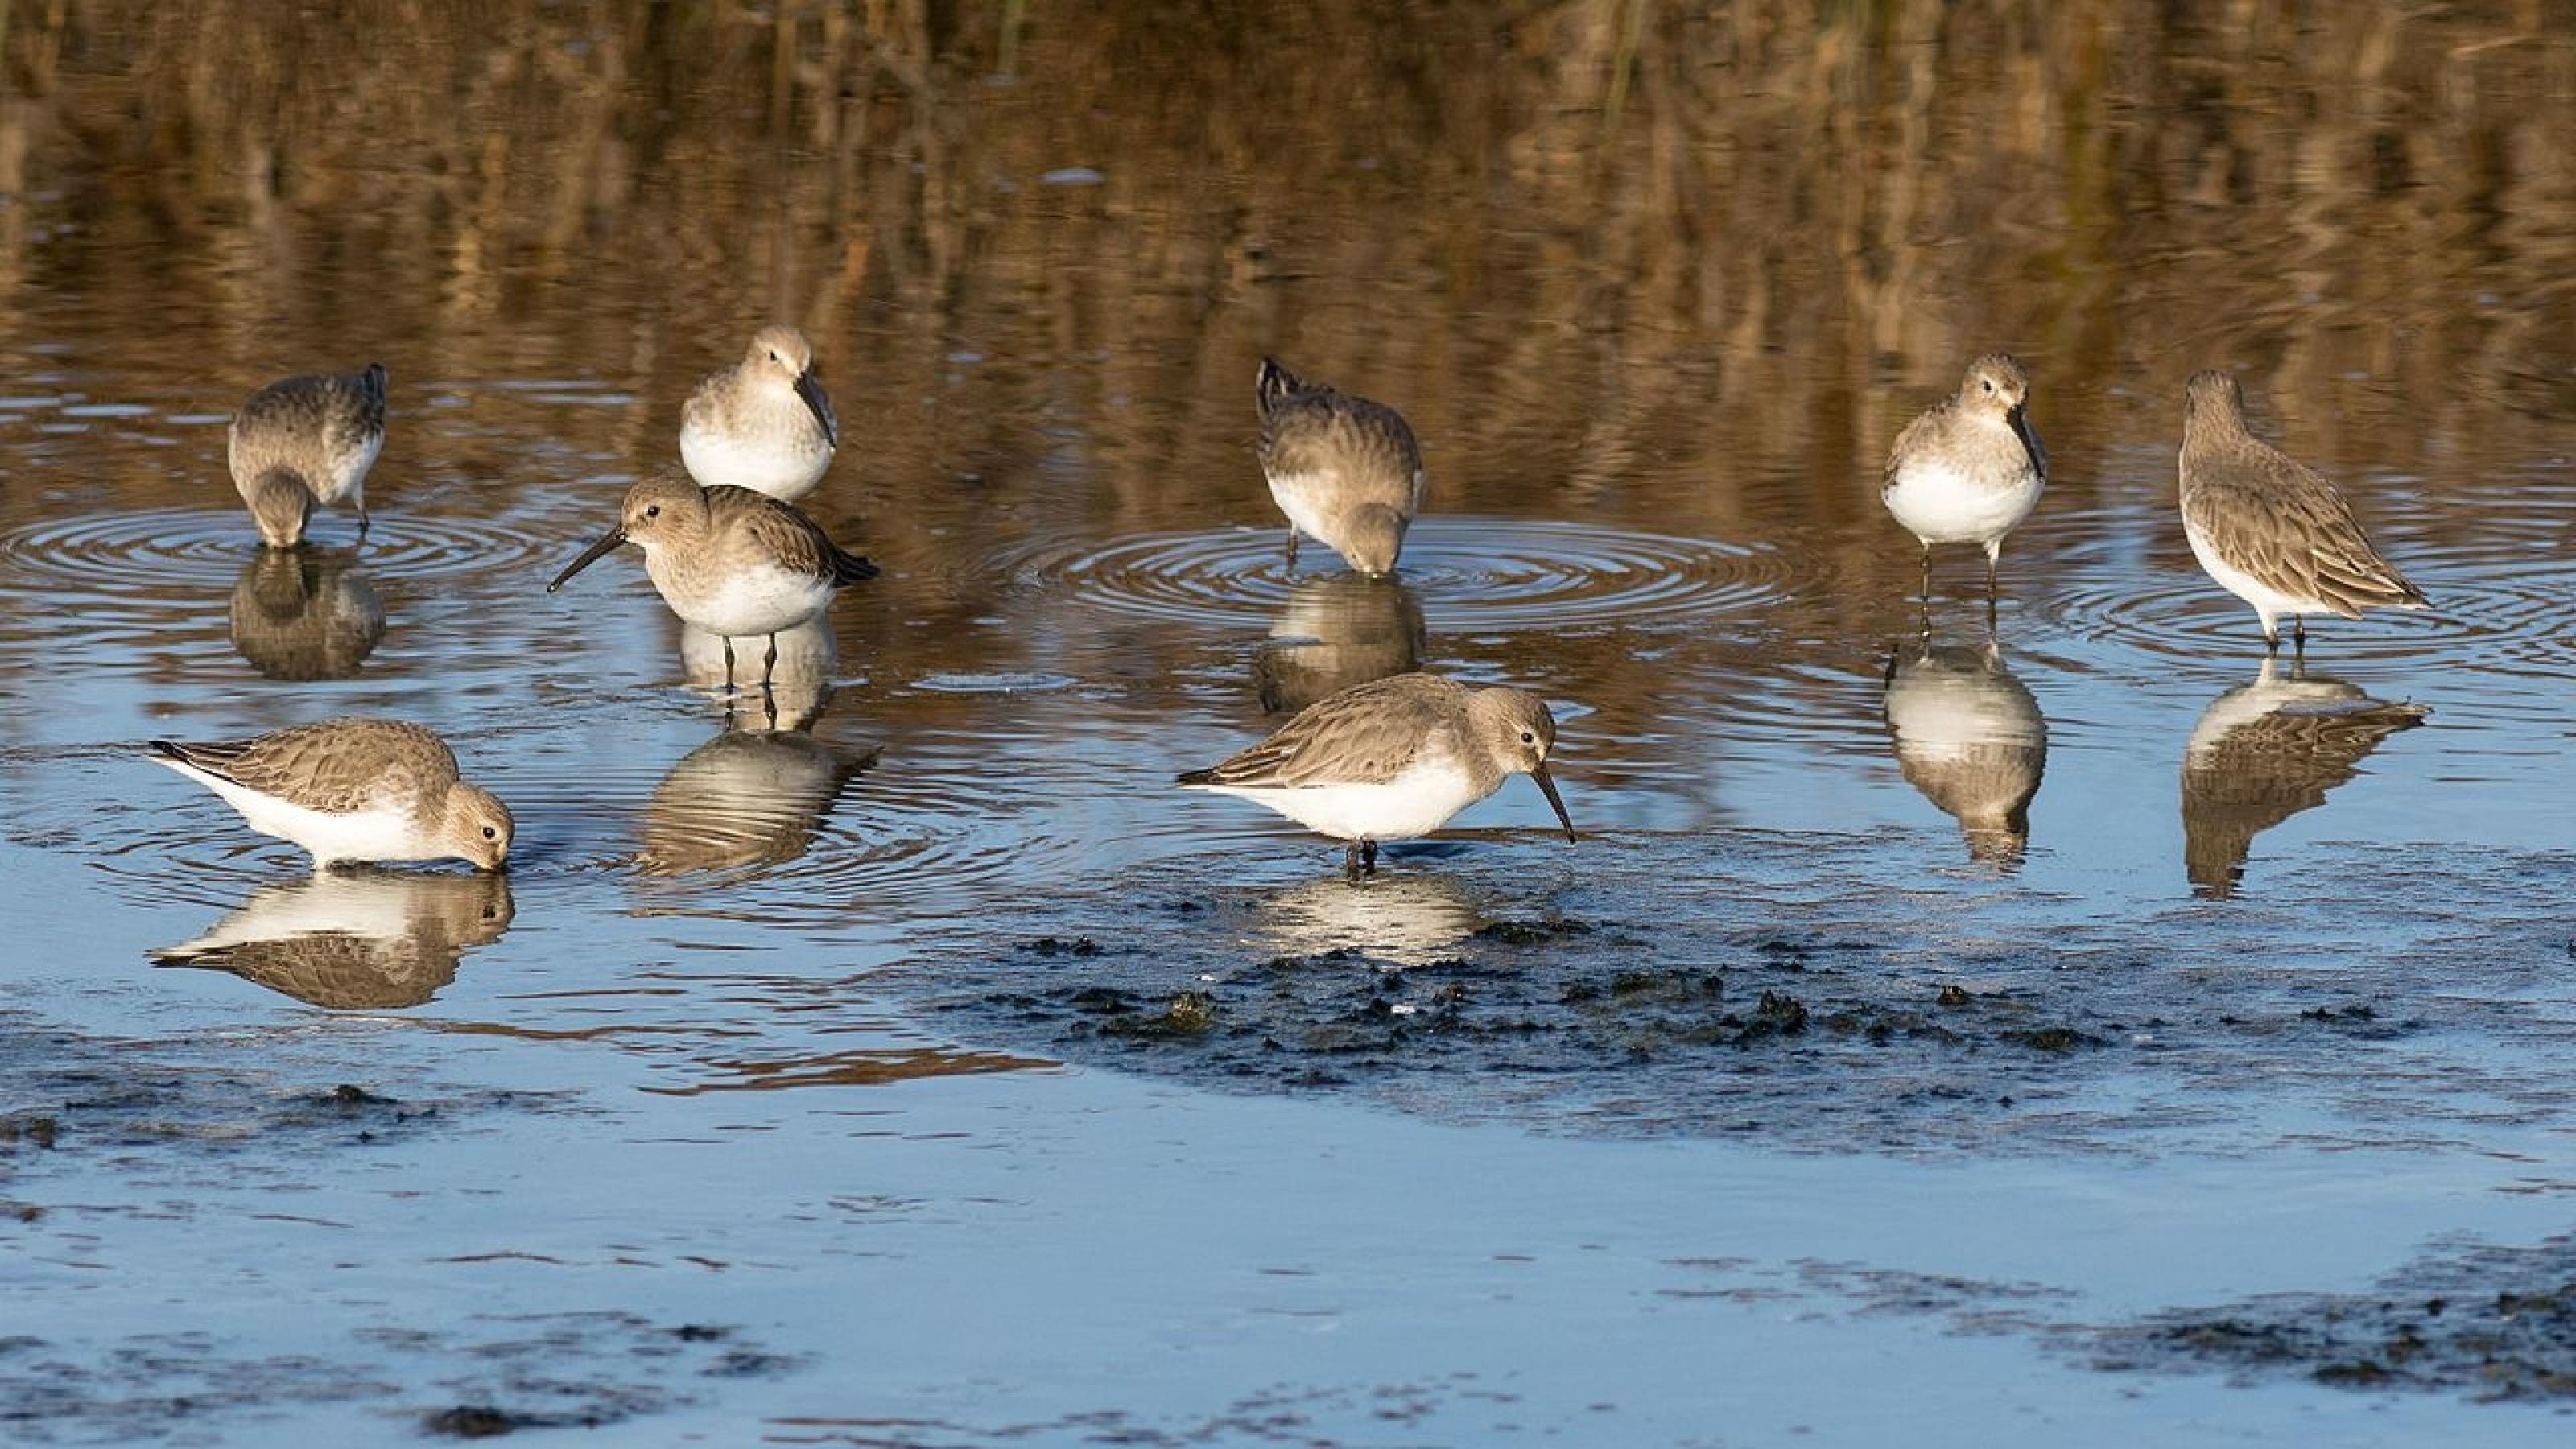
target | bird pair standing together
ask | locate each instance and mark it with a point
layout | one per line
(2269, 529)
(1393, 758)
(733, 557)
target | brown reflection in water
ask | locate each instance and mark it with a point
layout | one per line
(748, 797)
(1668, 264)
(1336, 632)
(306, 613)
(355, 940)
(874, 1068)
(1970, 737)
(2265, 751)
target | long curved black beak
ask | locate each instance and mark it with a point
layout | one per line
(1547, 787)
(589, 556)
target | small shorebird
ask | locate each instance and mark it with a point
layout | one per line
(1345, 470)
(1970, 737)
(729, 560)
(2270, 530)
(764, 423)
(1971, 468)
(307, 442)
(352, 790)
(1392, 759)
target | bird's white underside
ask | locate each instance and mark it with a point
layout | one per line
(1414, 803)
(779, 465)
(350, 478)
(378, 833)
(1307, 500)
(761, 599)
(1939, 504)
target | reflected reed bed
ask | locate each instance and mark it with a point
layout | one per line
(1636, 261)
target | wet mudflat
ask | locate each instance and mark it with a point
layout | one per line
(2085, 1033)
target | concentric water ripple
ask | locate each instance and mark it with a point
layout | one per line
(1473, 574)
(154, 550)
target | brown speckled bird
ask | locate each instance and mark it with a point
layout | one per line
(2271, 530)
(307, 442)
(1344, 469)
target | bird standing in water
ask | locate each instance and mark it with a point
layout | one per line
(1971, 468)
(731, 561)
(1344, 469)
(1392, 759)
(2271, 530)
(307, 442)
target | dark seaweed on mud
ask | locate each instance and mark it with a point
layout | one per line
(2492, 1322)
(488, 1376)
(1802, 999)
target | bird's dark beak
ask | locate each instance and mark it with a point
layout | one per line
(589, 556)
(821, 406)
(1547, 787)
(2021, 430)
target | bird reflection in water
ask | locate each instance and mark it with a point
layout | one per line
(306, 613)
(1412, 918)
(757, 793)
(1970, 737)
(795, 694)
(2265, 751)
(355, 939)
(1336, 631)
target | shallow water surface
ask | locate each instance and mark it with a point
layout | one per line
(2079, 1030)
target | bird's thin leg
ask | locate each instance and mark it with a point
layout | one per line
(727, 641)
(2298, 638)
(1368, 857)
(2271, 641)
(769, 662)
(1292, 545)
(1927, 579)
(768, 706)
(362, 518)
(1994, 554)
(1351, 861)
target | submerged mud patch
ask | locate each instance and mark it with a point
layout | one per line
(487, 1377)
(74, 1095)
(2488, 1321)
(1816, 997)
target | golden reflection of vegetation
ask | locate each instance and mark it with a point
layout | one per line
(1738, 242)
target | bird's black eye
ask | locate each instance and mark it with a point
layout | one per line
(1990, 385)
(1527, 738)
(491, 834)
(655, 511)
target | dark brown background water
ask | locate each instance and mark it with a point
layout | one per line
(1656, 284)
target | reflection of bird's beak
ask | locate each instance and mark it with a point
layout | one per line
(1547, 787)
(589, 556)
